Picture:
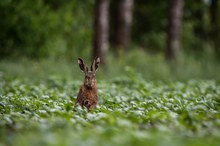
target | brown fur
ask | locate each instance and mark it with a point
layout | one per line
(87, 96)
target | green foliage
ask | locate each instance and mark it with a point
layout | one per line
(135, 63)
(154, 67)
(23, 27)
(45, 28)
(55, 28)
(142, 101)
(149, 25)
(196, 26)
(131, 111)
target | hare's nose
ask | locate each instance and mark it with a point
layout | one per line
(86, 102)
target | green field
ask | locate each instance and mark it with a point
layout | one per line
(158, 79)
(37, 108)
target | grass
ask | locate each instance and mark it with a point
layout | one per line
(154, 106)
(135, 63)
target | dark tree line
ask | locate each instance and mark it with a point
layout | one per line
(123, 26)
(52, 28)
(174, 14)
(101, 27)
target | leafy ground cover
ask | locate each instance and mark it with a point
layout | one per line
(142, 101)
(131, 111)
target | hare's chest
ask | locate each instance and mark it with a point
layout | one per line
(90, 94)
(87, 93)
(88, 99)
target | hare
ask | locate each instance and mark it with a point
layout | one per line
(87, 96)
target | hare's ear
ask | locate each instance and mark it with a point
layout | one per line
(82, 65)
(95, 64)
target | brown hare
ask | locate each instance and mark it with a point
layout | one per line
(87, 96)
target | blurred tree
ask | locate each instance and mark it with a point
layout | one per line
(149, 24)
(54, 28)
(215, 25)
(101, 29)
(195, 26)
(173, 29)
(123, 25)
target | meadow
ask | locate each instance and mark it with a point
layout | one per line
(141, 102)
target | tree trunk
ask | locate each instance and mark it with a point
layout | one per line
(215, 25)
(101, 29)
(173, 30)
(123, 26)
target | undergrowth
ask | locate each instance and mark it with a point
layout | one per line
(142, 101)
